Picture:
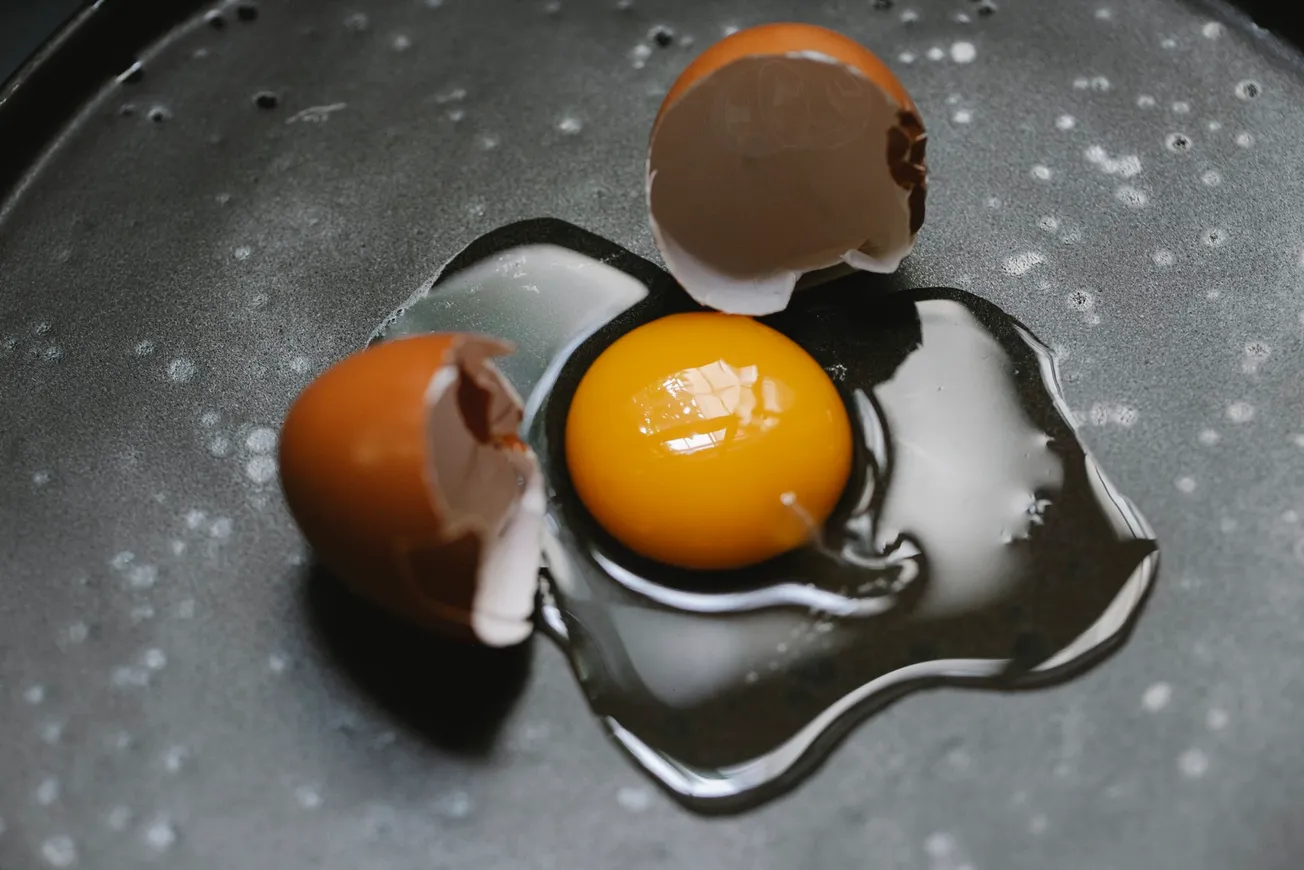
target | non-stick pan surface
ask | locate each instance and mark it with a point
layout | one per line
(183, 248)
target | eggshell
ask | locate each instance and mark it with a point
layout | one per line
(402, 467)
(783, 149)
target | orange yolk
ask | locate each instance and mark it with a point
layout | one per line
(708, 441)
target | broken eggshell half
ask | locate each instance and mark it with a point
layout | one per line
(783, 149)
(402, 467)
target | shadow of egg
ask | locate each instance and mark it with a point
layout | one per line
(455, 695)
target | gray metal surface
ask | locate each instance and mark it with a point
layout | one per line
(175, 690)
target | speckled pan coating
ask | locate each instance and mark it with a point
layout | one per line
(175, 690)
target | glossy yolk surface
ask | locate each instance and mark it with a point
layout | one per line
(702, 440)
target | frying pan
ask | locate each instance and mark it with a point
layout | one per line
(197, 217)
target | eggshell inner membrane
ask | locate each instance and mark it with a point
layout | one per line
(772, 166)
(484, 480)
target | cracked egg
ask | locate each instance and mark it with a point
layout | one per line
(783, 149)
(402, 466)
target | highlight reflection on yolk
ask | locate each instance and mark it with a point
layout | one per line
(690, 438)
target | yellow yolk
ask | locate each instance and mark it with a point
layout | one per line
(708, 441)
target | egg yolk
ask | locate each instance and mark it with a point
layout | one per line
(708, 441)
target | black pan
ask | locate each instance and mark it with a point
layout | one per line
(184, 243)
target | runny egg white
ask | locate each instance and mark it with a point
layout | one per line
(967, 535)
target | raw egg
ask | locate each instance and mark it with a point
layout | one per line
(783, 149)
(708, 441)
(402, 467)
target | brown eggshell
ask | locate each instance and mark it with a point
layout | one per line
(781, 150)
(402, 467)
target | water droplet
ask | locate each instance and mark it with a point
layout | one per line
(128, 677)
(77, 632)
(1178, 142)
(118, 817)
(1240, 412)
(59, 851)
(963, 116)
(1216, 719)
(401, 42)
(266, 100)
(181, 370)
(142, 576)
(159, 114)
(570, 125)
(1212, 30)
(1211, 178)
(154, 659)
(47, 791)
(1041, 173)
(662, 35)
(1193, 764)
(1066, 122)
(635, 800)
(358, 22)
(1132, 197)
(1244, 140)
(1249, 89)
(34, 694)
(261, 440)
(963, 52)
(160, 835)
(261, 469)
(1080, 300)
(1021, 264)
(144, 347)
(1186, 484)
(175, 758)
(1214, 238)
(935, 53)
(455, 805)
(308, 797)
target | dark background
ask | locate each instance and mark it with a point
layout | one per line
(25, 24)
